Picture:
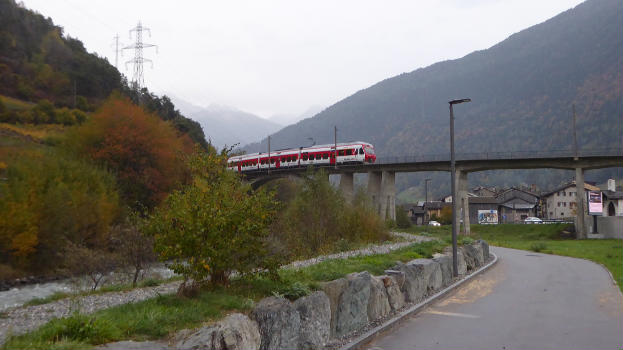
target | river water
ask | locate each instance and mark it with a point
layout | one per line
(19, 295)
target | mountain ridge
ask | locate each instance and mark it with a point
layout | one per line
(522, 92)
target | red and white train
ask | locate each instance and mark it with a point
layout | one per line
(347, 153)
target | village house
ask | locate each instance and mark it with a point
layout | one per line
(561, 203)
(612, 200)
(515, 205)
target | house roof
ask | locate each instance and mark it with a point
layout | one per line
(417, 210)
(482, 200)
(613, 195)
(436, 205)
(587, 186)
(517, 189)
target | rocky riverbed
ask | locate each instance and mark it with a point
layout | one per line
(20, 320)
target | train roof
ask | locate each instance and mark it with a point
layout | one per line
(329, 145)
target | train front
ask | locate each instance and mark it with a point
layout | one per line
(369, 152)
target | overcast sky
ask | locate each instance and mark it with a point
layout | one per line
(281, 57)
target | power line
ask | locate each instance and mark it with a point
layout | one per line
(138, 80)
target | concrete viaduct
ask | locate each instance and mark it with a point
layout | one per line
(382, 174)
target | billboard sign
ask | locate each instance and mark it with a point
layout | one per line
(595, 203)
(488, 216)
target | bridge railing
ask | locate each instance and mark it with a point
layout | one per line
(444, 157)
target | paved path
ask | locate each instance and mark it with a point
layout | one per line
(527, 301)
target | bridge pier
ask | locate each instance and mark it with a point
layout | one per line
(347, 186)
(580, 227)
(374, 189)
(388, 195)
(463, 201)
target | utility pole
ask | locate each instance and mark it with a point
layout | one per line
(335, 141)
(137, 77)
(575, 137)
(426, 181)
(269, 154)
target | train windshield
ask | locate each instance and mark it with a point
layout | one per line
(369, 150)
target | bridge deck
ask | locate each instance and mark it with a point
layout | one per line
(467, 163)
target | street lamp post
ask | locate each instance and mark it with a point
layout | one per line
(426, 181)
(455, 264)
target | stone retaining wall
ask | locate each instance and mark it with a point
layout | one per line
(343, 307)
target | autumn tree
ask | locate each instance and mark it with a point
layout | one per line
(215, 225)
(49, 200)
(144, 151)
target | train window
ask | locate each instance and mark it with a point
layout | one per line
(304, 156)
(361, 151)
(318, 156)
(272, 160)
(325, 155)
(340, 152)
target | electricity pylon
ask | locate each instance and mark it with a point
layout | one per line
(137, 77)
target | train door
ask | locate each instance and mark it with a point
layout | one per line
(332, 157)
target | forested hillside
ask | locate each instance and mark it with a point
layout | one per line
(522, 92)
(39, 63)
(83, 156)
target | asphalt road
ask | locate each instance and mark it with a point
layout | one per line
(527, 301)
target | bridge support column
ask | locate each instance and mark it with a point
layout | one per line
(388, 195)
(374, 189)
(580, 227)
(347, 186)
(464, 201)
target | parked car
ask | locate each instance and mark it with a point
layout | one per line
(532, 220)
(433, 223)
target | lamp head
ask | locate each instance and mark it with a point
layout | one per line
(456, 102)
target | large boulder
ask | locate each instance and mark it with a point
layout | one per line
(473, 256)
(279, 323)
(445, 264)
(431, 271)
(392, 285)
(334, 290)
(485, 248)
(398, 276)
(352, 310)
(415, 283)
(462, 264)
(315, 313)
(378, 304)
(234, 332)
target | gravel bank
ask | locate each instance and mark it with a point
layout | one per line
(23, 319)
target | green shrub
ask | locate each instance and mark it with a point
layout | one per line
(215, 225)
(293, 291)
(79, 327)
(402, 219)
(318, 218)
(538, 246)
(150, 282)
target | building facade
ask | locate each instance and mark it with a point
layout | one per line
(562, 202)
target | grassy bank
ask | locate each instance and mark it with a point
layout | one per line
(159, 317)
(550, 239)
